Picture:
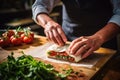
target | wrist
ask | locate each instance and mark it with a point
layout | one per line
(43, 19)
(99, 38)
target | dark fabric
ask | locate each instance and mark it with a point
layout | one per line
(85, 17)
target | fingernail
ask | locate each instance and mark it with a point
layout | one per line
(64, 40)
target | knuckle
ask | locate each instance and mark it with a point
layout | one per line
(57, 25)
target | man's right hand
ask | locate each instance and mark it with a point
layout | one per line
(55, 33)
(53, 30)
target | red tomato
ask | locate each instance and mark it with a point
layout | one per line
(32, 34)
(9, 33)
(71, 59)
(52, 53)
(7, 41)
(1, 42)
(4, 41)
(27, 39)
(22, 36)
(11, 38)
(29, 35)
(20, 33)
(16, 40)
(64, 53)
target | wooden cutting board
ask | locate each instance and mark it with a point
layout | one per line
(38, 48)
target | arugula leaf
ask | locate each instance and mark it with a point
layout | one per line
(26, 67)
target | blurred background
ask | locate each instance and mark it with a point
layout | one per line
(15, 13)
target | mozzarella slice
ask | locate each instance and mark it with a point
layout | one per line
(58, 48)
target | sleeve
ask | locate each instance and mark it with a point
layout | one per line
(116, 12)
(43, 6)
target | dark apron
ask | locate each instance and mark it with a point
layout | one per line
(85, 17)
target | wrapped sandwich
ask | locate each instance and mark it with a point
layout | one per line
(59, 52)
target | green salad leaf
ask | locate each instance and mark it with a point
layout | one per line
(26, 67)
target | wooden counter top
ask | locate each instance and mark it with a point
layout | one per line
(40, 41)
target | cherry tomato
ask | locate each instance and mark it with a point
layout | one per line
(32, 34)
(9, 33)
(27, 39)
(22, 36)
(20, 33)
(1, 42)
(4, 41)
(16, 40)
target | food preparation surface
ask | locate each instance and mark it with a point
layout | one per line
(39, 46)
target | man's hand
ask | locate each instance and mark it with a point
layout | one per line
(55, 33)
(84, 45)
(53, 30)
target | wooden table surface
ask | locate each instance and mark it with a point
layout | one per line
(40, 41)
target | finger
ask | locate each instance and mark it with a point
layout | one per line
(73, 43)
(52, 38)
(81, 41)
(76, 47)
(58, 38)
(62, 34)
(82, 50)
(90, 51)
(47, 35)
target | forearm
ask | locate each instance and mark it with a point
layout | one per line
(108, 32)
(42, 7)
(113, 27)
